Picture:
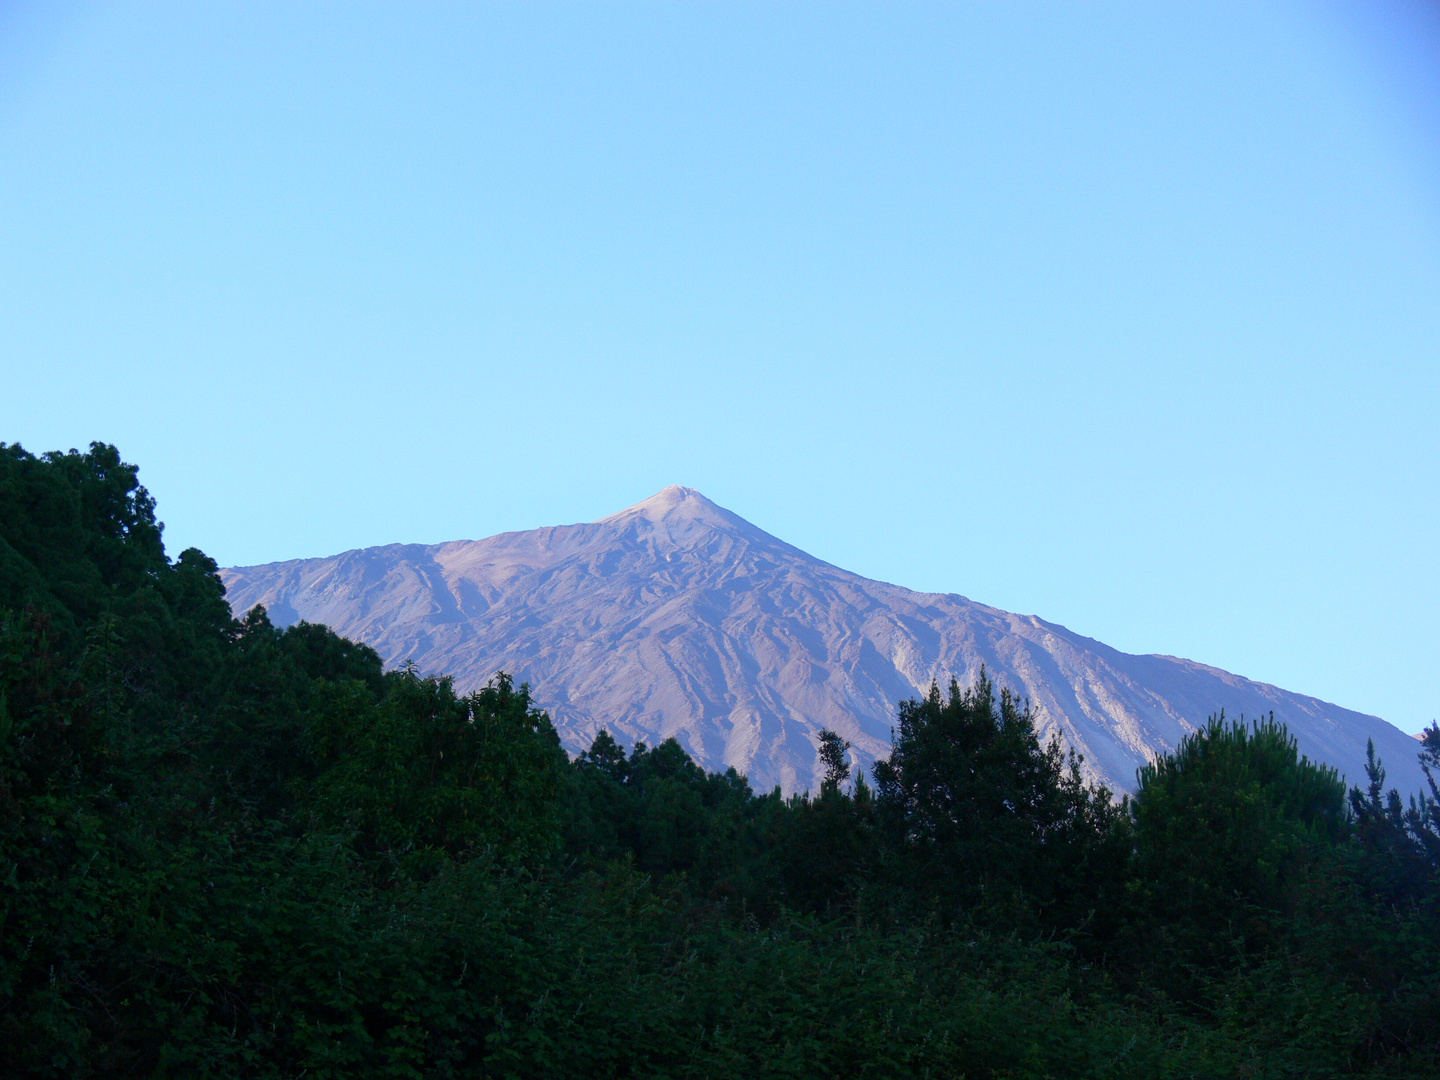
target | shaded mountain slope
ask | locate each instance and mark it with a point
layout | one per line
(678, 618)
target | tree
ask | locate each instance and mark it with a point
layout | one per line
(832, 756)
(1227, 824)
(975, 806)
(424, 770)
(1403, 841)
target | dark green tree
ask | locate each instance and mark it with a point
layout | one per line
(422, 770)
(1231, 833)
(1227, 814)
(1402, 840)
(976, 808)
(832, 757)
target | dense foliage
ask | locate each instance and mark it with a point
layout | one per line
(228, 849)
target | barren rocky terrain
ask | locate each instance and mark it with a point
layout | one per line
(678, 618)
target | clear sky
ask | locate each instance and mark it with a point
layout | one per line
(1127, 316)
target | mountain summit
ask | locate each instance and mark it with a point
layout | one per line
(675, 503)
(676, 617)
(682, 516)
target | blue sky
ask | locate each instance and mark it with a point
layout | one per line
(1123, 315)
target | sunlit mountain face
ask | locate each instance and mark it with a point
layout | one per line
(676, 618)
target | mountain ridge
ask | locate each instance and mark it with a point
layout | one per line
(677, 618)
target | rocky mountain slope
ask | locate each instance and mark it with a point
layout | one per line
(678, 618)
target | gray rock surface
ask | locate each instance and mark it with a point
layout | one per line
(678, 618)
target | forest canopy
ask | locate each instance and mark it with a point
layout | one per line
(232, 849)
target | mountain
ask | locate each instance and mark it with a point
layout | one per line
(678, 618)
